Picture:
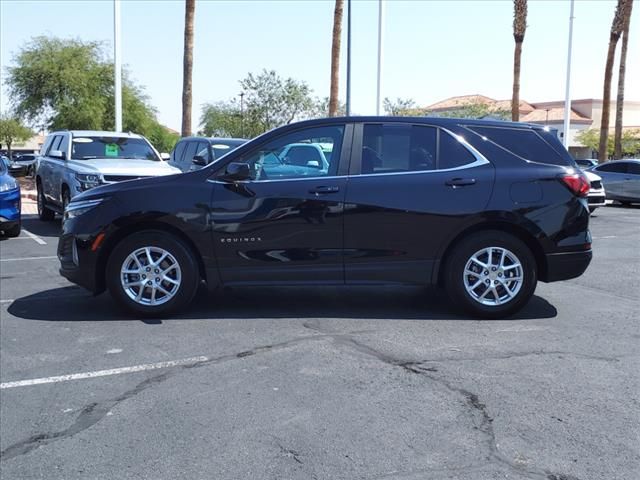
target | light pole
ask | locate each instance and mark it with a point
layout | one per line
(348, 106)
(567, 96)
(117, 60)
(241, 95)
(381, 5)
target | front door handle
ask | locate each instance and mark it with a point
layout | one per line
(324, 190)
(460, 182)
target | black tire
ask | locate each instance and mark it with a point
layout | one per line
(190, 277)
(454, 278)
(625, 204)
(13, 231)
(44, 213)
(66, 198)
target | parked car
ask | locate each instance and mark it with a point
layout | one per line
(585, 163)
(621, 179)
(14, 168)
(483, 208)
(193, 153)
(10, 223)
(597, 196)
(27, 163)
(72, 162)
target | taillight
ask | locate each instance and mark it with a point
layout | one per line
(577, 183)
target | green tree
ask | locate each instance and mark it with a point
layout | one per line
(402, 107)
(11, 131)
(272, 101)
(629, 141)
(224, 119)
(475, 111)
(58, 84)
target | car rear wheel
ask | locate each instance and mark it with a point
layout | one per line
(491, 274)
(152, 273)
(44, 213)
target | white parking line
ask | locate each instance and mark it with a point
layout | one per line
(104, 373)
(26, 258)
(35, 237)
(10, 300)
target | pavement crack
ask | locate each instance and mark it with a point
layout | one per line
(88, 417)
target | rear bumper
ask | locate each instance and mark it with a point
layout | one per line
(563, 266)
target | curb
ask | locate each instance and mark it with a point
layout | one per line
(29, 196)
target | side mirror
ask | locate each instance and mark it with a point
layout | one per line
(237, 171)
(199, 160)
(165, 156)
(57, 154)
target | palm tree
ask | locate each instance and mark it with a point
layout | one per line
(616, 30)
(187, 68)
(519, 28)
(335, 58)
(617, 136)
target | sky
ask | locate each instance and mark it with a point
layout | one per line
(432, 50)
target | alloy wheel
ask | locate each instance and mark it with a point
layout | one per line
(150, 276)
(493, 276)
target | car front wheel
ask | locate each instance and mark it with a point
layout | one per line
(152, 273)
(491, 274)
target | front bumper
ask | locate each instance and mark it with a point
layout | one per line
(77, 262)
(596, 199)
(564, 266)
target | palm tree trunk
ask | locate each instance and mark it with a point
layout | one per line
(187, 68)
(515, 98)
(617, 137)
(616, 28)
(335, 58)
(519, 29)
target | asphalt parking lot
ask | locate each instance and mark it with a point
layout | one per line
(326, 383)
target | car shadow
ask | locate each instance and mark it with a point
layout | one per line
(73, 304)
(43, 229)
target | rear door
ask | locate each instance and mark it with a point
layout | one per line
(632, 184)
(285, 225)
(409, 187)
(613, 177)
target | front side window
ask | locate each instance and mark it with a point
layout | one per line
(86, 148)
(203, 151)
(311, 152)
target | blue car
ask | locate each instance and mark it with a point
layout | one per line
(9, 202)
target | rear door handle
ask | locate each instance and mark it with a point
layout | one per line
(460, 182)
(324, 190)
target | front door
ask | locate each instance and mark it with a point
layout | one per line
(285, 225)
(410, 186)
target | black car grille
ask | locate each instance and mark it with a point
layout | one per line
(121, 178)
(596, 184)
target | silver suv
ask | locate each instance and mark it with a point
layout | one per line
(72, 161)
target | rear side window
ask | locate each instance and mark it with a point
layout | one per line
(398, 148)
(634, 168)
(526, 144)
(178, 151)
(190, 152)
(620, 167)
(453, 153)
(394, 148)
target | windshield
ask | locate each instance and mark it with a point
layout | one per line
(85, 148)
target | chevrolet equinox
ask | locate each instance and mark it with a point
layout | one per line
(484, 209)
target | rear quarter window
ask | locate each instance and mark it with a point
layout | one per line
(524, 143)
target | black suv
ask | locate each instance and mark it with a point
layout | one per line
(484, 209)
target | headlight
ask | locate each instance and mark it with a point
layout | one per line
(75, 209)
(88, 180)
(8, 184)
